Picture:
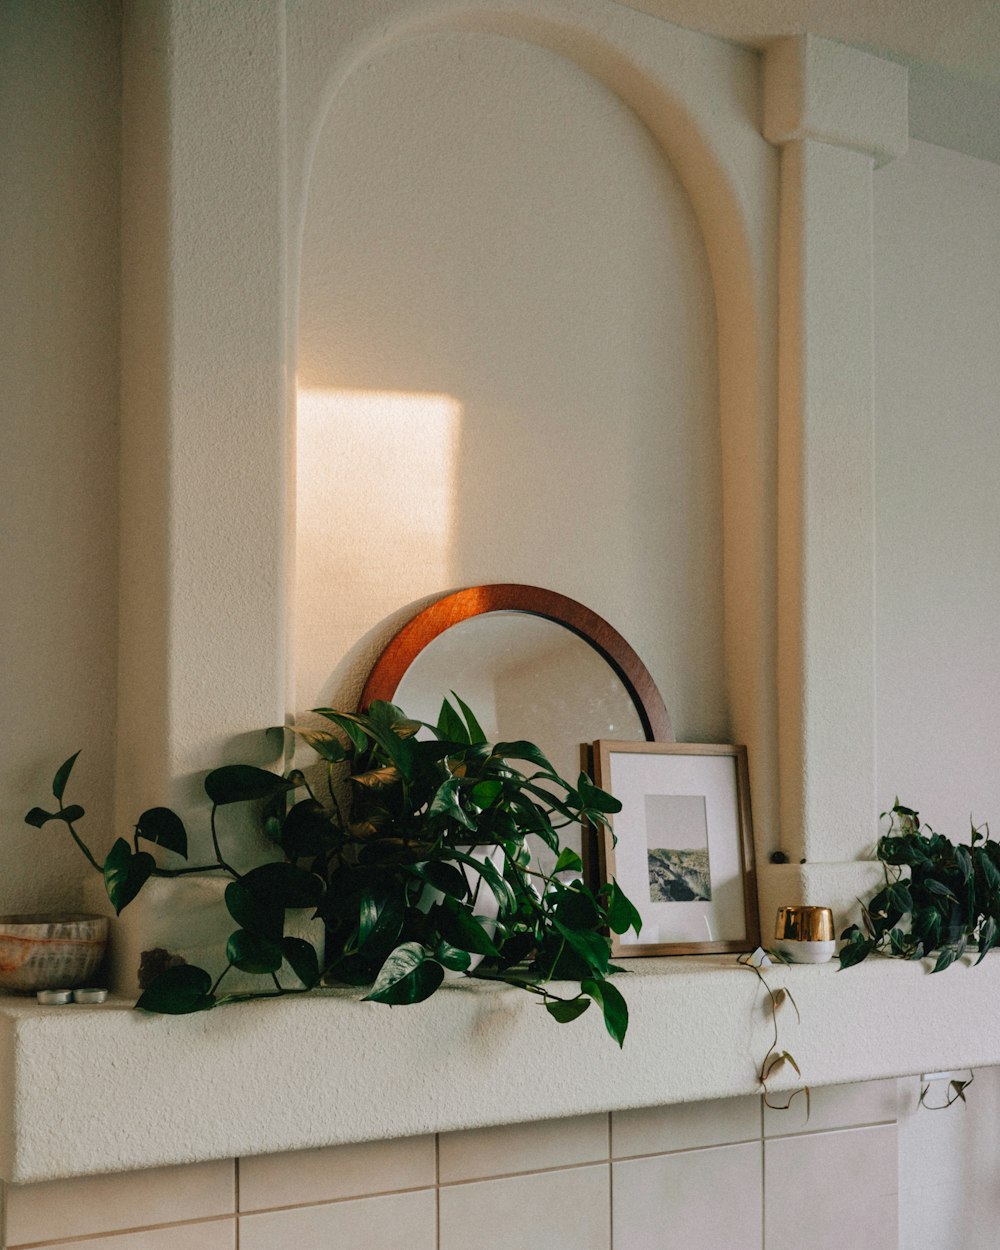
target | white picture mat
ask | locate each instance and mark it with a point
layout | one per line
(714, 777)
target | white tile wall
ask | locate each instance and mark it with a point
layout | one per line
(831, 1190)
(103, 1204)
(523, 1147)
(695, 1199)
(560, 1210)
(307, 1176)
(835, 1106)
(684, 1126)
(949, 1167)
(706, 1176)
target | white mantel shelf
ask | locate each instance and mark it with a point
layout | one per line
(103, 1089)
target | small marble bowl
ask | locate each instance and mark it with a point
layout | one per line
(48, 952)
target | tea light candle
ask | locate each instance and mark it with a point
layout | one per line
(54, 998)
(90, 996)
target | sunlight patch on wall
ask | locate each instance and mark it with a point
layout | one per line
(375, 503)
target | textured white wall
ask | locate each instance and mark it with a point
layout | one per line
(937, 444)
(59, 94)
(486, 222)
(204, 429)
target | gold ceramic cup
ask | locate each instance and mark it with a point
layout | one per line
(805, 934)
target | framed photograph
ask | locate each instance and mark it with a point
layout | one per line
(684, 851)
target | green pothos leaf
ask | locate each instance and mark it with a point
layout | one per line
(252, 953)
(444, 877)
(380, 919)
(378, 778)
(407, 976)
(239, 783)
(612, 1005)
(595, 799)
(936, 887)
(164, 828)
(178, 992)
(460, 928)
(964, 861)
(854, 952)
(125, 873)
(451, 957)
(521, 750)
(567, 1010)
(990, 874)
(255, 913)
(568, 861)
(302, 959)
(62, 776)
(451, 727)
(501, 891)
(67, 815)
(622, 914)
(446, 803)
(475, 729)
(284, 885)
(593, 948)
(987, 937)
(947, 956)
(356, 735)
(38, 817)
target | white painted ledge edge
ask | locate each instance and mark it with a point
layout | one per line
(105, 1089)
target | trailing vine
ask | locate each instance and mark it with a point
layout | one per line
(776, 1058)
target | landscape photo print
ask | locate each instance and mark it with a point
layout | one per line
(677, 848)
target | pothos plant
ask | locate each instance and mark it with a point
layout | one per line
(398, 870)
(938, 896)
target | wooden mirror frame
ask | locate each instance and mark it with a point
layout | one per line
(404, 647)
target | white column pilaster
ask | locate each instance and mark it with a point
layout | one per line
(203, 397)
(836, 113)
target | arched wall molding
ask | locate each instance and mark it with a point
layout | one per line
(699, 98)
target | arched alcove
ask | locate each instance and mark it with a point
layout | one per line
(507, 360)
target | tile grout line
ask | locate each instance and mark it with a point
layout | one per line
(332, 1202)
(684, 1150)
(839, 1128)
(763, 1184)
(236, 1202)
(79, 1238)
(437, 1184)
(611, 1191)
(506, 1176)
(437, 1191)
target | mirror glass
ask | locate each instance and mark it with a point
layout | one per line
(524, 677)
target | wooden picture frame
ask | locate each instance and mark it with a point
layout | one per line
(684, 852)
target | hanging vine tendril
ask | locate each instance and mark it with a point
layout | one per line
(776, 1058)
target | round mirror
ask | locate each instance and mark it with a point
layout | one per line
(531, 664)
